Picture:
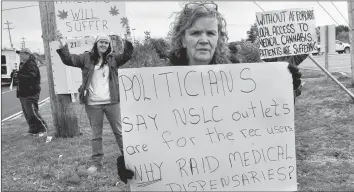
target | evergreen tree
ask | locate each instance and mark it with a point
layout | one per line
(252, 34)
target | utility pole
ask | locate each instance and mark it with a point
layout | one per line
(351, 37)
(8, 29)
(63, 113)
(326, 47)
(23, 42)
(133, 34)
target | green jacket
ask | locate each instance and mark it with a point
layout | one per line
(87, 67)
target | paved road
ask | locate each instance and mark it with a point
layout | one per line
(336, 63)
(10, 104)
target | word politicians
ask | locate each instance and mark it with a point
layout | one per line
(175, 84)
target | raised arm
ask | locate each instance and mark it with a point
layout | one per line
(65, 56)
(121, 59)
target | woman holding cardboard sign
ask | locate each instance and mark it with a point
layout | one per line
(99, 91)
(199, 37)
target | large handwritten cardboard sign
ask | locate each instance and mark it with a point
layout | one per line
(286, 32)
(88, 18)
(204, 128)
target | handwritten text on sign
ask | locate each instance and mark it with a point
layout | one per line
(286, 32)
(217, 127)
(87, 18)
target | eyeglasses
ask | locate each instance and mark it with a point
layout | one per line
(207, 5)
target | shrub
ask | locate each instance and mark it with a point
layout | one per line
(245, 52)
(161, 47)
(144, 55)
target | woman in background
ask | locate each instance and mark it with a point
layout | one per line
(99, 90)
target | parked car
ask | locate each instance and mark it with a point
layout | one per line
(341, 47)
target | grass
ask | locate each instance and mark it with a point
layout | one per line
(324, 146)
(29, 164)
(324, 134)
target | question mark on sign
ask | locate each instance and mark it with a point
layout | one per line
(292, 170)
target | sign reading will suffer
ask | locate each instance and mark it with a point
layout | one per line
(286, 32)
(214, 127)
(87, 18)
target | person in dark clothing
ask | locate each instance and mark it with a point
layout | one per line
(28, 91)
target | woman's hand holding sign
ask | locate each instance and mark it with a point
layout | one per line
(128, 37)
(296, 75)
(59, 37)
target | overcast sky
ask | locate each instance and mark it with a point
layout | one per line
(154, 16)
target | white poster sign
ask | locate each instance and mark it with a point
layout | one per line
(88, 18)
(214, 127)
(286, 32)
(68, 79)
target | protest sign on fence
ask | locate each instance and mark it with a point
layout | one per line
(88, 18)
(204, 128)
(286, 32)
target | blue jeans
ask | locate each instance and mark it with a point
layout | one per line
(95, 115)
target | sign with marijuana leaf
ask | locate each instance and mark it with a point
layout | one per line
(114, 11)
(88, 18)
(63, 14)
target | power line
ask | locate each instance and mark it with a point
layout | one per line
(334, 19)
(258, 5)
(340, 12)
(23, 43)
(8, 28)
(18, 7)
(327, 13)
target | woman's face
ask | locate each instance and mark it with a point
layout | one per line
(102, 46)
(200, 40)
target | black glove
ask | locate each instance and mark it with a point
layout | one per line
(123, 173)
(294, 70)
